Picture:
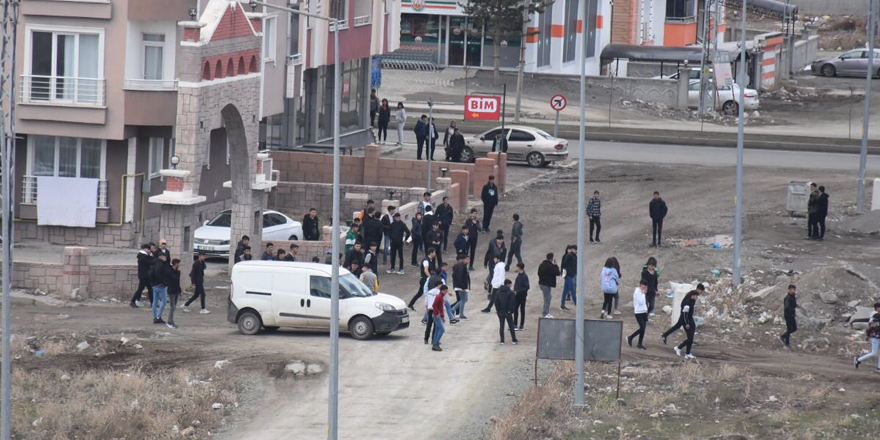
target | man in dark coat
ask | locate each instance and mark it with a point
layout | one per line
(456, 145)
(822, 212)
(489, 197)
(657, 210)
(813, 213)
(197, 276)
(473, 227)
(421, 131)
(239, 250)
(311, 226)
(445, 215)
(144, 262)
(505, 303)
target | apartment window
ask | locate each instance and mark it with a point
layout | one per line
(681, 10)
(363, 12)
(270, 35)
(154, 51)
(545, 27)
(157, 152)
(293, 33)
(339, 11)
(61, 156)
(64, 66)
(569, 45)
(590, 28)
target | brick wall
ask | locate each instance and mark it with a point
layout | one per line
(624, 22)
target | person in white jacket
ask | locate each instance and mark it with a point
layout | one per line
(496, 283)
(640, 308)
(401, 121)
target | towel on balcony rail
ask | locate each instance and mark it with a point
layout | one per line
(67, 201)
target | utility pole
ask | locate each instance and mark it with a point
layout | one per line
(704, 59)
(430, 140)
(737, 229)
(863, 157)
(522, 61)
(581, 238)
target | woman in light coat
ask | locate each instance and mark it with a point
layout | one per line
(401, 121)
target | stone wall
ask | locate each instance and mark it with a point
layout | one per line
(659, 91)
(296, 198)
(75, 272)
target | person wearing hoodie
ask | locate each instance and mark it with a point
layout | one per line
(822, 212)
(640, 308)
(144, 262)
(548, 271)
(505, 304)
(400, 118)
(496, 283)
(399, 233)
(461, 241)
(521, 290)
(569, 268)
(416, 235)
(657, 209)
(651, 275)
(610, 280)
(686, 320)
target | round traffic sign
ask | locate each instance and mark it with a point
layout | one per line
(557, 102)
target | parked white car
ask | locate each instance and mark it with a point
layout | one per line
(524, 144)
(213, 237)
(727, 97)
(274, 294)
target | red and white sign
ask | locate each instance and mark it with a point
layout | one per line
(558, 102)
(482, 108)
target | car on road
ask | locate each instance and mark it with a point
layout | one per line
(213, 238)
(269, 295)
(693, 73)
(854, 62)
(526, 144)
(727, 97)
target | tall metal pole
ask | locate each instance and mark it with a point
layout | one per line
(520, 73)
(741, 80)
(430, 140)
(863, 158)
(582, 211)
(333, 431)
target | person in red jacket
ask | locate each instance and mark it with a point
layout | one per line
(439, 317)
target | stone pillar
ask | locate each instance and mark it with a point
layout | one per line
(371, 164)
(463, 179)
(75, 262)
(177, 221)
(415, 194)
(484, 167)
(683, 83)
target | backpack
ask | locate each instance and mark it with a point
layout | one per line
(609, 283)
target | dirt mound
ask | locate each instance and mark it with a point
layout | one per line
(868, 223)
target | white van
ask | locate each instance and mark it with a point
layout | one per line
(273, 294)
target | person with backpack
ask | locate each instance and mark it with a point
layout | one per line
(640, 309)
(872, 334)
(610, 280)
(789, 306)
(651, 275)
(197, 276)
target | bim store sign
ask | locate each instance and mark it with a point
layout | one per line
(482, 108)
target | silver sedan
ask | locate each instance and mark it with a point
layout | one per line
(525, 144)
(854, 62)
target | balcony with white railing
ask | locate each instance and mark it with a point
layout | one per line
(362, 21)
(294, 60)
(62, 90)
(160, 85)
(29, 192)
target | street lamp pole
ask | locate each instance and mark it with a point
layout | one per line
(582, 210)
(737, 229)
(863, 157)
(430, 140)
(333, 397)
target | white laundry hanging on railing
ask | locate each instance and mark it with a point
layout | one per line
(66, 201)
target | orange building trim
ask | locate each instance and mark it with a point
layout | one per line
(532, 35)
(580, 26)
(558, 31)
(679, 34)
(600, 21)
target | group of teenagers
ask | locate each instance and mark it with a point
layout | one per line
(159, 274)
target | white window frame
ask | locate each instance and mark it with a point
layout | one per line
(144, 45)
(152, 142)
(31, 150)
(66, 30)
(270, 38)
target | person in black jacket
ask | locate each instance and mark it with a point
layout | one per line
(160, 275)
(505, 304)
(269, 254)
(521, 289)
(822, 212)
(686, 320)
(239, 249)
(473, 227)
(790, 314)
(163, 249)
(429, 267)
(397, 233)
(384, 119)
(372, 227)
(516, 238)
(421, 131)
(570, 267)
(445, 215)
(489, 196)
(433, 135)
(434, 239)
(311, 225)
(416, 234)
(386, 220)
(291, 255)
(144, 261)
(354, 255)
(197, 276)
(456, 145)
(428, 220)
(813, 213)
(461, 241)
(461, 281)
(173, 291)
(371, 259)
(547, 273)
(651, 276)
(657, 210)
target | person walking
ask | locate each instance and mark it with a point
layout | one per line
(789, 312)
(450, 130)
(311, 225)
(640, 308)
(386, 221)
(160, 276)
(434, 239)
(163, 249)
(822, 212)
(489, 196)
(421, 131)
(197, 277)
(427, 226)
(594, 212)
(548, 271)
(374, 107)
(651, 275)
(813, 213)
(144, 263)
(872, 334)
(461, 282)
(445, 215)
(429, 267)
(505, 304)
(416, 235)
(439, 317)
(521, 290)
(610, 287)
(243, 243)
(689, 300)
(461, 241)
(292, 253)
(384, 120)
(496, 283)
(473, 228)
(498, 249)
(516, 237)
(173, 291)
(400, 118)
(657, 209)
(456, 145)
(569, 274)
(398, 233)
(616, 309)
(432, 289)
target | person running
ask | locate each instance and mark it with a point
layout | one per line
(872, 335)
(197, 276)
(243, 243)
(548, 271)
(505, 304)
(445, 215)
(789, 312)
(144, 263)
(657, 209)
(569, 268)
(689, 300)
(160, 275)
(594, 212)
(610, 287)
(461, 281)
(822, 212)
(369, 278)
(489, 197)
(421, 131)
(521, 289)
(311, 225)
(813, 213)
(473, 227)
(439, 317)
(416, 235)
(640, 308)
(429, 267)
(173, 291)
(651, 275)
(516, 237)
(400, 118)
(384, 120)
(461, 241)
(496, 283)
(398, 234)
(386, 221)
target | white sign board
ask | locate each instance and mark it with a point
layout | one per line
(723, 72)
